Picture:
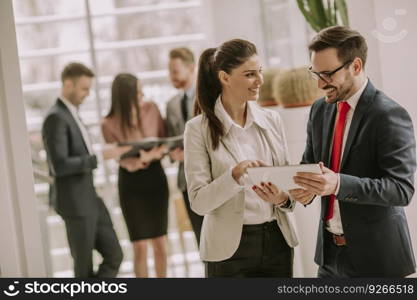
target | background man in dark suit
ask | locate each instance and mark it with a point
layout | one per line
(71, 163)
(179, 111)
(365, 144)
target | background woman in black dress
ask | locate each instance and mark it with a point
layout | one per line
(143, 188)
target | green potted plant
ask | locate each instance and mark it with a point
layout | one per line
(324, 13)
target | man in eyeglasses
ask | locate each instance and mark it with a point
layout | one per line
(364, 142)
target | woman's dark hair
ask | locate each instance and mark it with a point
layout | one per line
(124, 100)
(226, 57)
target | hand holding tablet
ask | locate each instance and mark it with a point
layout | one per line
(281, 176)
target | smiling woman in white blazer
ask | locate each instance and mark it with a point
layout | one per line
(246, 232)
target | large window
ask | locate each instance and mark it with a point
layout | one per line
(112, 36)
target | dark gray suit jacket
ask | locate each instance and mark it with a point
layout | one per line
(376, 182)
(72, 192)
(175, 126)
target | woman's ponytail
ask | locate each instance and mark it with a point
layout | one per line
(208, 89)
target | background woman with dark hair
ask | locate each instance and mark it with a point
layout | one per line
(246, 232)
(142, 183)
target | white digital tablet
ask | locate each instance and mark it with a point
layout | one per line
(281, 176)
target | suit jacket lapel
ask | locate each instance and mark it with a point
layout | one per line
(191, 103)
(277, 158)
(66, 111)
(328, 126)
(72, 121)
(178, 121)
(364, 101)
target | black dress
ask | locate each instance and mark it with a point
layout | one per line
(143, 198)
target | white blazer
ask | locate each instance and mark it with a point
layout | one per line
(215, 194)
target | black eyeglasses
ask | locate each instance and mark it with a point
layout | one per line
(327, 76)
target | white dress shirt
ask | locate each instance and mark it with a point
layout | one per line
(334, 225)
(74, 112)
(251, 145)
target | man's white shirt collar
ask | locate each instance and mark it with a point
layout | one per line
(354, 99)
(72, 108)
(74, 112)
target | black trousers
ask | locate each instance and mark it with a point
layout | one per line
(262, 252)
(337, 262)
(90, 232)
(196, 220)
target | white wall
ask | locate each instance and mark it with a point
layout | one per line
(393, 60)
(236, 19)
(21, 252)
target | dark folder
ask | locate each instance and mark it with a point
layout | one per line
(147, 144)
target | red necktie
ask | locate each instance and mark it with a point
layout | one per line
(342, 108)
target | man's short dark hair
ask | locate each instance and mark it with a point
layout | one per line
(348, 42)
(183, 53)
(75, 70)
